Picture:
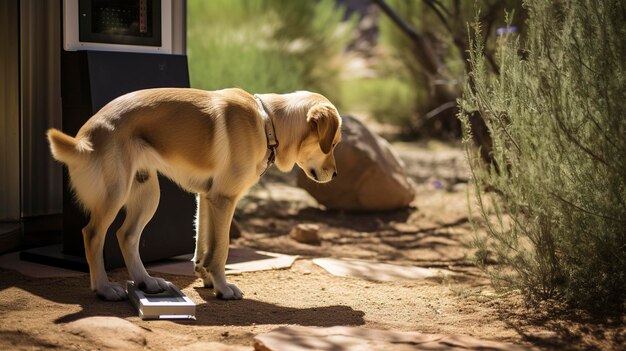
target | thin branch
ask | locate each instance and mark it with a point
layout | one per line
(579, 56)
(401, 23)
(441, 6)
(599, 128)
(492, 62)
(440, 108)
(587, 150)
(492, 11)
(442, 18)
(586, 211)
(497, 116)
(489, 18)
(429, 60)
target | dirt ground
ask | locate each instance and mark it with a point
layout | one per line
(35, 313)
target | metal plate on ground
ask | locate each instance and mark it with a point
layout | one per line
(170, 304)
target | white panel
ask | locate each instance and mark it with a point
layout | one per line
(71, 40)
(179, 27)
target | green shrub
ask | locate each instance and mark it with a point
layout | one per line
(556, 116)
(389, 100)
(265, 46)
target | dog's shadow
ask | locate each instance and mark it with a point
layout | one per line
(213, 312)
(70, 291)
(254, 312)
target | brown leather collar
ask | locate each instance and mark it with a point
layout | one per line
(270, 134)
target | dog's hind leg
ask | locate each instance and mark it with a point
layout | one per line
(94, 234)
(141, 204)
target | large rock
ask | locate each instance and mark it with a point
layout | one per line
(370, 177)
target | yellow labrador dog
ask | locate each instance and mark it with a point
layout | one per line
(213, 143)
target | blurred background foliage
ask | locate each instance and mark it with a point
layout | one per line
(283, 46)
(433, 64)
(266, 45)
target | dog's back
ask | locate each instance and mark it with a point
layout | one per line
(191, 136)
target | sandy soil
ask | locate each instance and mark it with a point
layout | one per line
(35, 313)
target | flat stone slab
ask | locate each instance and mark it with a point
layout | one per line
(297, 338)
(248, 260)
(213, 346)
(377, 271)
(239, 260)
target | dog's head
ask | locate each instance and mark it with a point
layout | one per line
(316, 155)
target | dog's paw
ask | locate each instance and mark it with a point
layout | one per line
(111, 292)
(152, 285)
(229, 292)
(201, 273)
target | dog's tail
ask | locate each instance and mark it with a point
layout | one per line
(67, 149)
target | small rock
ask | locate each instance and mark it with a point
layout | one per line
(306, 233)
(459, 187)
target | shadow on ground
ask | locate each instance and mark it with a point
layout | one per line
(25, 341)
(66, 290)
(400, 236)
(253, 312)
(214, 312)
(554, 326)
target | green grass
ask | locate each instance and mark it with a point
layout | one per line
(228, 46)
(265, 45)
(389, 99)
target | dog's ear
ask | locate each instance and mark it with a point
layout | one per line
(325, 118)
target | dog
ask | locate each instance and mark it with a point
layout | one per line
(216, 144)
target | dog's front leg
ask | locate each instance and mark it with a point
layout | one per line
(220, 210)
(202, 240)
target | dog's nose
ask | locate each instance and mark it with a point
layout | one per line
(334, 174)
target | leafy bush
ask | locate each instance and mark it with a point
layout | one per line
(556, 116)
(265, 46)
